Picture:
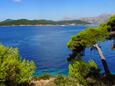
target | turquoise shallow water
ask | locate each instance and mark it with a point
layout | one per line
(46, 45)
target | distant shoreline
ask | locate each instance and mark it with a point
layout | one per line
(25, 22)
(47, 25)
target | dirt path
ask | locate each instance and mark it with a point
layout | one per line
(43, 82)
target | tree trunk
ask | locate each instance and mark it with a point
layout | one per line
(106, 68)
(113, 47)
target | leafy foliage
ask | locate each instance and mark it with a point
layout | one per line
(66, 81)
(13, 70)
(88, 37)
(111, 21)
(44, 76)
(81, 70)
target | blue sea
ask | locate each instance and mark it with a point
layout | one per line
(46, 45)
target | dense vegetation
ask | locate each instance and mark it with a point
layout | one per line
(13, 70)
(40, 22)
(81, 70)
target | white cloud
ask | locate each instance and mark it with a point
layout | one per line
(17, 0)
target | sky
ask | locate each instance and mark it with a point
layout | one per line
(54, 9)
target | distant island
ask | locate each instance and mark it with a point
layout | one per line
(24, 22)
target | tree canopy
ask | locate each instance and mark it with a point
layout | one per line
(91, 35)
(111, 21)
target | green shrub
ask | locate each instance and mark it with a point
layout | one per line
(13, 70)
(66, 81)
(44, 76)
(59, 79)
(82, 70)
